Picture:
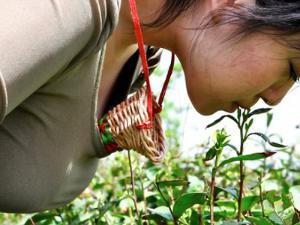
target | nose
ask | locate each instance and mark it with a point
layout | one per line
(273, 95)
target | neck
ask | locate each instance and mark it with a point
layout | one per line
(122, 43)
(174, 37)
(147, 11)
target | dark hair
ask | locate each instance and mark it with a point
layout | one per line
(280, 18)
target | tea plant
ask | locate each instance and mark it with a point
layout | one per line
(244, 120)
(215, 186)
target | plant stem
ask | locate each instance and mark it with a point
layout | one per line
(132, 185)
(32, 222)
(200, 220)
(213, 184)
(261, 197)
(297, 213)
(131, 216)
(212, 198)
(168, 204)
(241, 191)
(144, 199)
(106, 220)
(242, 176)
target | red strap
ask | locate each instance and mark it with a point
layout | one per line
(164, 88)
(140, 40)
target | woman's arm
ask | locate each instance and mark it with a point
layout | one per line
(38, 39)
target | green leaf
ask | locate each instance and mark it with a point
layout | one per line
(220, 119)
(196, 184)
(287, 200)
(287, 215)
(271, 196)
(295, 192)
(227, 204)
(266, 139)
(248, 125)
(259, 220)
(163, 212)
(41, 217)
(285, 187)
(248, 202)
(222, 137)
(194, 219)
(187, 201)
(230, 223)
(250, 157)
(275, 219)
(211, 153)
(259, 111)
(269, 118)
(230, 190)
(234, 148)
(172, 183)
(107, 206)
(245, 114)
(227, 208)
(177, 68)
(239, 113)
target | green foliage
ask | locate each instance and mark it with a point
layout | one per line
(177, 192)
(259, 220)
(250, 157)
(187, 201)
(204, 189)
(295, 192)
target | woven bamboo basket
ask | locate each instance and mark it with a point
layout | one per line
(123, 121)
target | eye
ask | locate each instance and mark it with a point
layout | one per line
(293, 75)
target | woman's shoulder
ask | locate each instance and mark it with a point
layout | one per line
(105, 16)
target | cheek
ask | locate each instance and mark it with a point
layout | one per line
(204, 93)
(243, 77)
(216, 79)
(197, 92)
(217, 87)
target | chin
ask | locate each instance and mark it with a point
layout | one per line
(205, 111)
(203, 107)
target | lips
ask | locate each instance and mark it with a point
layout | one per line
(241, 104)
(235, 105)
(245, 107)
(232, 108)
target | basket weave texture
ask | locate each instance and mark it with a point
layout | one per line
(123, 120)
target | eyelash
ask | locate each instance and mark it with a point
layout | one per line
(293, 75)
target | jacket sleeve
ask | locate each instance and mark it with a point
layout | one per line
(40, 39)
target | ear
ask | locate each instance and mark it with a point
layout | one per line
(216, 4)
(219, 4)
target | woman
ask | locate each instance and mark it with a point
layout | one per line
(55, 82)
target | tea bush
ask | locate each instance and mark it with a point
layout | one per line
(215, 186)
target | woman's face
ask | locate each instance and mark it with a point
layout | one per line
(222, 75)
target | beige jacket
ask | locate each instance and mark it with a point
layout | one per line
(50, 69)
